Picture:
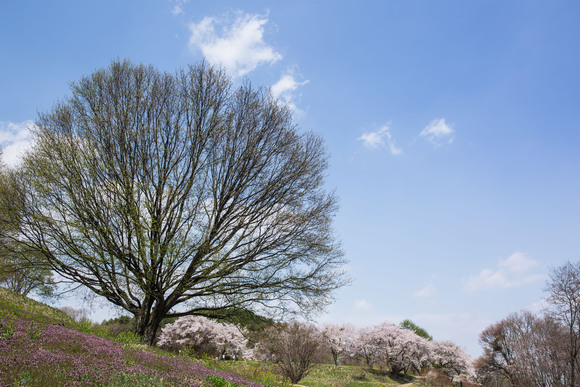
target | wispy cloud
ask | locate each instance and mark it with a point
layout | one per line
(15, 139)
(286, 89)
(178, 7)
(425, 292)
(236, 42)
(380, 138)
(363, 306)
(438, 132)
(515, 271)
(176, 10)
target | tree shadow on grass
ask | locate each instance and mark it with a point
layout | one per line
(402, 379)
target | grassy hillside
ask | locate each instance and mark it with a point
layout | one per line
(42, 346)
(25, 308)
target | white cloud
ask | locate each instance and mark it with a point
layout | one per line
(512, 272)
(438, 131)
(287, 84)
(426, 292)
(285, 89)
(238, 45)
(177, 10)
(363, 306)
(178, 7)
(15, 139)
(380, 138)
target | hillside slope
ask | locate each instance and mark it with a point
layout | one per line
(42, 346)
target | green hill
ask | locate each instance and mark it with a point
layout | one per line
(42, 346)
(25, 308)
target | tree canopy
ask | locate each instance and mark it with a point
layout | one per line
(173, 194)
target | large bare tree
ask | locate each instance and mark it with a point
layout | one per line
(177, 194)
(564, 302)
(524, 350)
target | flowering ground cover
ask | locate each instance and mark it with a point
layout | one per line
(38, 354)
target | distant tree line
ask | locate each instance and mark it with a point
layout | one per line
(296, 346)
(527, 349)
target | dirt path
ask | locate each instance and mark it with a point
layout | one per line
(417, 378)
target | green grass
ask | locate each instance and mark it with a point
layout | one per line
(260, 372)
(346, 376)
(24, 308)
(327, 375)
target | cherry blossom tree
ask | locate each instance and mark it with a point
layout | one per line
(204, 335)
(338, 338)
(400, 349)
(404, 349)
(367, 344)
(451, 359)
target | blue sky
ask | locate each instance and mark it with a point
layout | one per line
(453, 129)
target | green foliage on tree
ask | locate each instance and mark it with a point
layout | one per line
(410, 325)
(22, 269)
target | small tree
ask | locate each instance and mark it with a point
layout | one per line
(24, 272)
(293, 347)
(338, 338)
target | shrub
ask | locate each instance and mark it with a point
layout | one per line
(218, 381)
(86, 325)
(120, 324)
(293, 347)
(128, 338)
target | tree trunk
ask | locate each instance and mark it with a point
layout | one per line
(150, 334)
(147, 323)
(572, 357)
(335, 358)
